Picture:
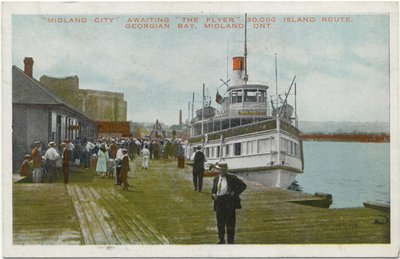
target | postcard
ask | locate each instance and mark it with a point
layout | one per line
(200, 129)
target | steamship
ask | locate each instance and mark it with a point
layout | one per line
(256, 136)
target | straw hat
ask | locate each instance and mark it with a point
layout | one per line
(223, 167)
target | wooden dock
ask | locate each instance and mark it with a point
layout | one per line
(162, 208)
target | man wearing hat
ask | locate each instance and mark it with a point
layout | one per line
(124, 169)
(37, 163)
(66, 156)
(51, 156)
(198, 168)
(225, 193)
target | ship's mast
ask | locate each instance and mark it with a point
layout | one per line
(295, 105)
(202, 113)
(246, 77)
(278, 122)
(193, 106)
(276, 84)
(188, 118)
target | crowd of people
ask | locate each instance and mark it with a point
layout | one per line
(105, 155)
(112, 155)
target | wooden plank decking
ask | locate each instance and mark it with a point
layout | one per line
(162, 208)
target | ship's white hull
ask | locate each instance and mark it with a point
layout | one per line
(269, 157)
(279, 178)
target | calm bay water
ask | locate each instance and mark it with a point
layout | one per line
(351, 172)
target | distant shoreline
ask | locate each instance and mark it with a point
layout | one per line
(374, 138)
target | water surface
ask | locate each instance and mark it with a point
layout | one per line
(351, 172)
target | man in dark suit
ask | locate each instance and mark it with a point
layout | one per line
(198, 169)
(225, 193)
(124, 169)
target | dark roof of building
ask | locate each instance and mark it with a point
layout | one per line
(27, 90)
(122, 127)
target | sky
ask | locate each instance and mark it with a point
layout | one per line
(341, 68)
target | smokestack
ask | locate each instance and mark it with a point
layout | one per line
(238, 70)
(28, 61)
(180, 118)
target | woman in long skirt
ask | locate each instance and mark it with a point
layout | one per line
(145, 157)
(102, 160)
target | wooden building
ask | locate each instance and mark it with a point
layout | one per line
(38, 114)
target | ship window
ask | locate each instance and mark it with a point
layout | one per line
(249, 147)
(217, 125)
(212, 151)
(218, 152)
(238, 148)
(261, 96)
(244, 148)
(227, 150)
(283, 144)
(207, 152)
(254, 148)
(250, 95)
(235, 122)
(263, 146)
(225, 124)
(197, 129)
(237, 96)
(291, 148)
(247, 121)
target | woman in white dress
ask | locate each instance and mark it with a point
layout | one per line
(145, 157)
(102, 160)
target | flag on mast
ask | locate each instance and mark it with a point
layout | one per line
(218, 98)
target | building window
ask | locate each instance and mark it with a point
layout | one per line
(227, 150)
(238, 149)
(207, 152)
(218, 151)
